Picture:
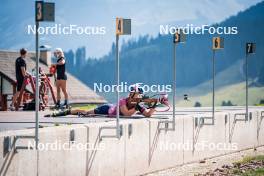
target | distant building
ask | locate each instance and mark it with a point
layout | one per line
(78, 91)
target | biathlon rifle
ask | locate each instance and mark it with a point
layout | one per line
(150, 101)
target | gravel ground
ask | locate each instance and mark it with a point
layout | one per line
(207, 165)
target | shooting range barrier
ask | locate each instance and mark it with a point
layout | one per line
(44, 11)
(142, 147)
(123, 27)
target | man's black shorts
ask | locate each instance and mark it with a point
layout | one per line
(19, 85)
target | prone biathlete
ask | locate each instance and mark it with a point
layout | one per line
(110, 109)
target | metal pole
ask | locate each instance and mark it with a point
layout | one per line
(117, 88)
(213, 113)
(174, 83)
(37, 87)
(246, 86)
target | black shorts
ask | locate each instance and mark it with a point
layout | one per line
(102, 109)
(19, 85)
(64, 77)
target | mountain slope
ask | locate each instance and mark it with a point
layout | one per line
(149, 60)
(234, 93)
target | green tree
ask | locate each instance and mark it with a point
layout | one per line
(227, 103)
(197, 104)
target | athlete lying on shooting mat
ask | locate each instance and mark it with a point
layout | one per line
(134, 103)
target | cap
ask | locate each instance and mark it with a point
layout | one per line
(136, 88)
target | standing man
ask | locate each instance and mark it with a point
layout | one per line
(21, 73)
(61, 77)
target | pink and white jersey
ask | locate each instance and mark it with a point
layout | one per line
(112, 109)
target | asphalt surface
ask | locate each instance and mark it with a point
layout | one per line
(14, 120)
